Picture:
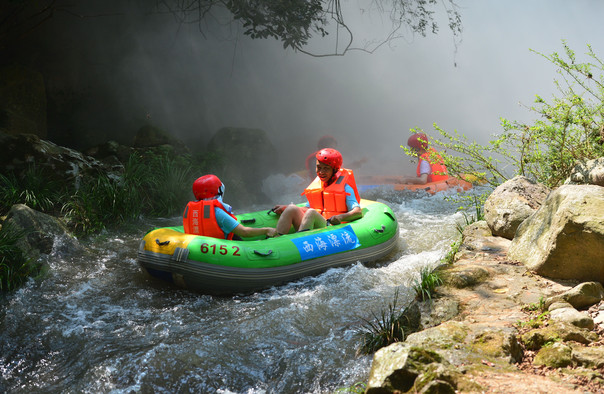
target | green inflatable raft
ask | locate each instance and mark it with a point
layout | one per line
(218, 266)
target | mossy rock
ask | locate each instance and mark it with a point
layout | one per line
(558, 331)
(557, 355)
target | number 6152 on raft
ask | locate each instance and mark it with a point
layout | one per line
(216, 249)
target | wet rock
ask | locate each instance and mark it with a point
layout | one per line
(511, 203)
(44, 234)
(564, 239)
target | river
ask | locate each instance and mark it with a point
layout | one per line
(97, 323)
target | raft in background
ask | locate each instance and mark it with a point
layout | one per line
(219, 266)
(394, 182)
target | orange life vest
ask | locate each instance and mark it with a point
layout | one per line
(199, 218)
(331, 200)
(439, 170)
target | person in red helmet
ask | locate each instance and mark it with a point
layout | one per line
(332, 197)
(211, 217)
(431, 167)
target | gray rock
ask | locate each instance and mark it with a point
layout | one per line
(582, 296)
(564, 239)
(572, 316)
(511, 203)
(590, 172)
(44, 234)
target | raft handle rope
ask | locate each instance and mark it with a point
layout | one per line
(380, 230)
(389, 214)
(264, 254)
(248, 221)
(161, 243)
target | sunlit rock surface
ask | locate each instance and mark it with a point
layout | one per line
(564, 239)
(511, 203)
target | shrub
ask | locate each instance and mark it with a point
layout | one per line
(569, 128)
(383, 330)
(426, 285)
(14, 267)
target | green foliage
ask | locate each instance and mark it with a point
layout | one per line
(35, 189)
(14, 267)
(450, 256)
(383, 330)
(425, 286)
(569, 128)
(536, 321)
(477, 202)
(536, 306)
(357, 388)
(157, 185)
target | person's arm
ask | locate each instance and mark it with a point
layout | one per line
(244, 231)
(415, 180)
(353, 214)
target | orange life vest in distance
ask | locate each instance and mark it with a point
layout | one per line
(331, 200)
(199, 218)
(439, 170)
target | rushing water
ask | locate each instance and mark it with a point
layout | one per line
(97, 323)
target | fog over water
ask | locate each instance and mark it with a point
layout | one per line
(193, 85)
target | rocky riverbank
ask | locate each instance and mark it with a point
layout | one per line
(497, 327)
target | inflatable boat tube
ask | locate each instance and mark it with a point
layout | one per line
(219, 266)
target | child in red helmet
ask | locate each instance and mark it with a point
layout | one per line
(332, 196)
(431, 167)
(211, 217)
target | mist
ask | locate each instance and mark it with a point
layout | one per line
(192, 84)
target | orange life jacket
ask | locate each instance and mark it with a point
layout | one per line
(199, 218)
(331, 200)
(439, 170)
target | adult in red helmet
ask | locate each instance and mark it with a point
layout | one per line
(208, 215)
(431, 167)
(332, 197)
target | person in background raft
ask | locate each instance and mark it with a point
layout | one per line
(431, 167)
(211, 217)
(327, 141)
(332, 197)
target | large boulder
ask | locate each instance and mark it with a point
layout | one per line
(22, 101)
(564, 239)
(22, 151)
(589, 172)
(43, 234)
(511, 203)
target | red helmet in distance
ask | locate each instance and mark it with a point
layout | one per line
(331, 157)
(418, 141)
(207, 186)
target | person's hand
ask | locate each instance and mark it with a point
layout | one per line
(278, 209)
(271, 232)
(334, 220)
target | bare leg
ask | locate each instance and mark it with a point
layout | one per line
(292, 215)
(312, 219)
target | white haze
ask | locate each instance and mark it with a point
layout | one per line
(193, 86)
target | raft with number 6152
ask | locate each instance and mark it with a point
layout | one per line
(219, 266)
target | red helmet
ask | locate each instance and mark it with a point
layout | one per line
(207, 186)
(418, 141)
(331, 157)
